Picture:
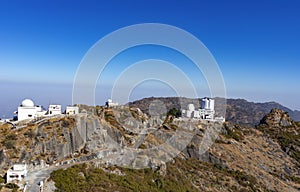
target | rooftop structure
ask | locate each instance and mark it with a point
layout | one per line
(27, 103)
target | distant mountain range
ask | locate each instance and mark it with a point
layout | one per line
(238, 111)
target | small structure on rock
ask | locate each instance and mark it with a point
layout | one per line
(17, 173)
(110, 103)
(27, 110)
(72, 110)
(206, 111)
(54, 110)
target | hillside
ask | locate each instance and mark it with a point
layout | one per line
(241, 159)
(278, 125)
(109, 150)
(238, 111)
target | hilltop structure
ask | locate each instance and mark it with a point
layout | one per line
(110, 103)
(54, 109)
(17, 173)
(28, 110)
(72, 110)
(206, 111)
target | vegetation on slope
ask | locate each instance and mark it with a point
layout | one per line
(180, 175)
(20, 144)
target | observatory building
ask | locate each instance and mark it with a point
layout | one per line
(206, 111)
(110, 103)
(27, 110)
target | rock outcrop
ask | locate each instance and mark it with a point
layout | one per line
(279, 126)
(277, 118)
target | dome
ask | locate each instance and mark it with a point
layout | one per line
(27, 103)
(191, 107)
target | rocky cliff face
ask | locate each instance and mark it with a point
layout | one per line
(277, 118)
(127, 136)
(279, 126)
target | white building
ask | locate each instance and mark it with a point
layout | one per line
(196, 114)
(208, 103)
(206, 111)
(54, 110)
(27, 110)
(17, 173)
(110, 103)
(72, 110)
(190, 110)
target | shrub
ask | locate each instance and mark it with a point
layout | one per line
(9, 144)
(233, 133)
(174, 112)
(11, 137)
(30, 133)
(12, 186)
(2, 180)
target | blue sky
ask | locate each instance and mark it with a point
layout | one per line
(255, 43)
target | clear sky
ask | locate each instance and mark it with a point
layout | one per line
(256, 44)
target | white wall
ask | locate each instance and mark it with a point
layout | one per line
(27, 113)
(54, 109)
(72, 110)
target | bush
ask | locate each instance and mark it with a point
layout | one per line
(174, 112)
(9, 144)
(11, 137)
(233, 133)
(2, 180)
(134, 180)
(30, 133)
(12, 186)
(9, 141)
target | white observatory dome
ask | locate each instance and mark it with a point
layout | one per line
(27, 103)
(191, 107)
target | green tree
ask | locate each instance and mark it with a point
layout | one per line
(174, 112)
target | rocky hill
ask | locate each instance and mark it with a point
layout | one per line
(238, 111)
(241, 159)
(278, 125)
(170, 154)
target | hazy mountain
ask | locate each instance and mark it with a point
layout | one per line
(238, 111)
